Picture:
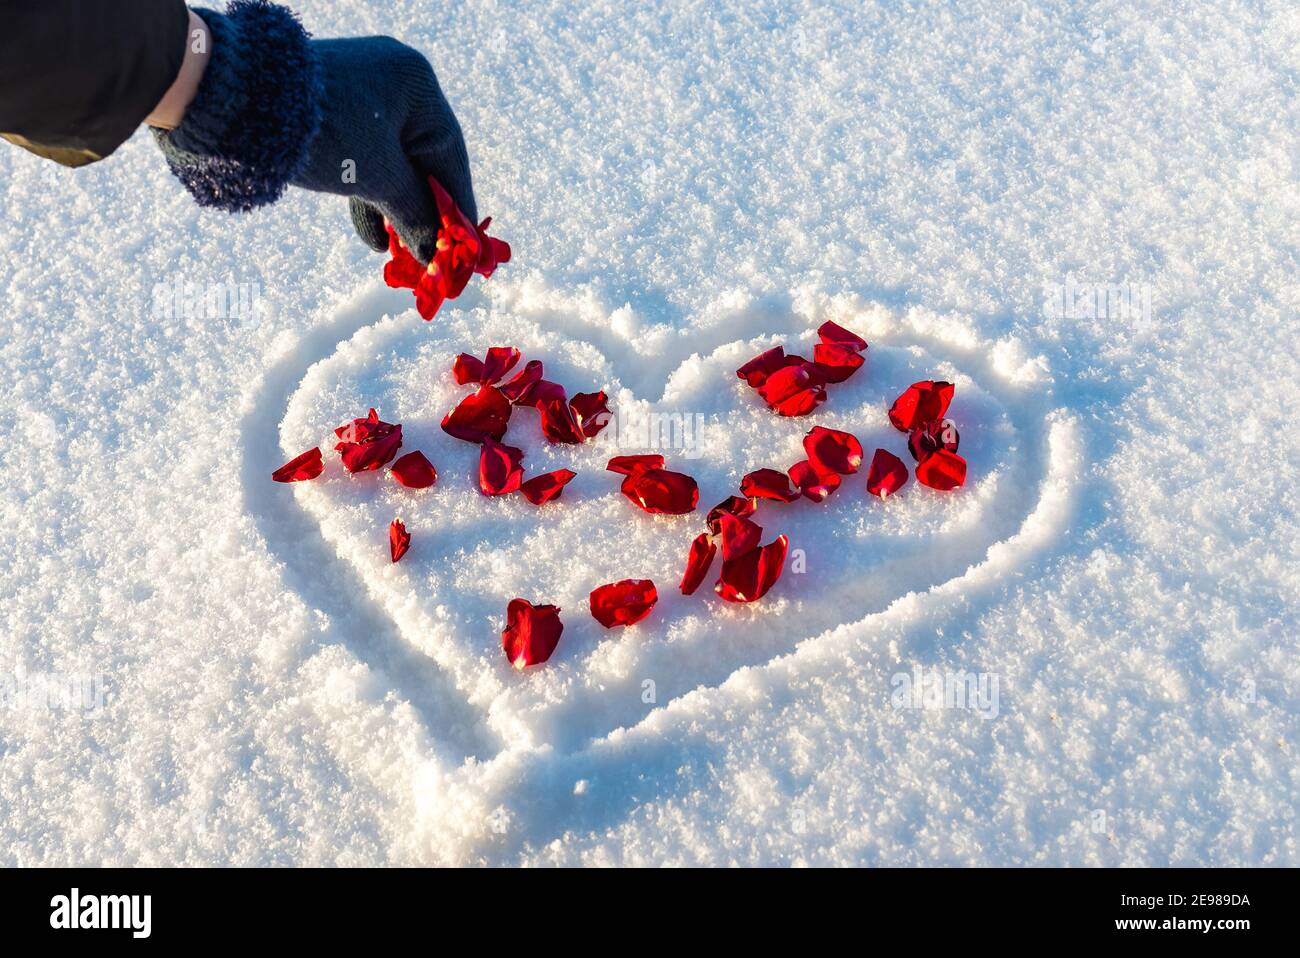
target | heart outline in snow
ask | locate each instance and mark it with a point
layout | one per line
(1016, 384)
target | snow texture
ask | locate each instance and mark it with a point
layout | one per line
(684, 184)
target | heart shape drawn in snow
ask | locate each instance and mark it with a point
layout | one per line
(851, 557)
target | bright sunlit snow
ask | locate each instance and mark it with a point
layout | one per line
(1085, 217)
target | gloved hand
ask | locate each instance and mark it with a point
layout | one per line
(362, 117)
(385, 129)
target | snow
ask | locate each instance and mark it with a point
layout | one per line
(684, 184)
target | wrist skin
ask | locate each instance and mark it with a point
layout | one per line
(171, 108)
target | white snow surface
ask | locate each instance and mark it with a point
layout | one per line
(684, 184)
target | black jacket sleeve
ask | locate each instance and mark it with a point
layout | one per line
(77, 77)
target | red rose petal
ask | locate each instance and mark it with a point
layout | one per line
(661, 491)
(368, 444)
(559, 422)
(756, 371)
(626, 465)
(768, 484)
(467, 369)
(887, 474)
(941, 470)
(814, 483)
(458, 244)
(403, 271)
(591, 410)
(309, 465)
(738, 536)
(921, 402)
(492, 251)
(836, 363)
(519, 385)
(430, 294)
(742, 508)
(836, 335)
(499, 469)
(543, 390)
(480, 415)
(415, 471)
(547, 486)
(532, 632)
(564, 420)
(698, 561)
(500, 360)
(748, 577)
(932, 436)
(623, 603)
(399, 540)
(793, 390)
(831, 450)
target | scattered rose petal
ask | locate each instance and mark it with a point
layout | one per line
(467, 369)
(920, 403)
(568, 420)
(517, 389)
(662, 491)
(793, 390)
(831, 450)
(932, 436)
(742, 508)
(487, 372)
(541, 391)
(887, 474)
(532, 632)
(307, 466)
(816, 484)
(836, 363)
(756, 371)
(415, 471)
(698, 561)
(480, 415)
(623, 603)
(399, 540)
(768, 484)
(547, 486)
(737, 535)
(748, 577)
(368, 444)
(833, 334)
(626, 465)
(941, 470)
(591, 411)
(499, 469)
(559, 422)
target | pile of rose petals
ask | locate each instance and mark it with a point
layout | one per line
(463, 249)
(932, 441)
(484, 415)
(794, 386)
(487, 411)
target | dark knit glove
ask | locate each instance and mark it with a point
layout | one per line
(361, 117)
